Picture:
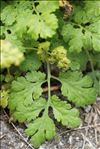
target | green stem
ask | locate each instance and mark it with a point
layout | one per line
(49, 90)
(8, 71)
(36, 10)
(44, 81)
(49, 85)
(91, 63)
(53, 77)
(31, 48)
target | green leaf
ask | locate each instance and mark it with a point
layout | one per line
(36, 21)
(8, 19)
(97, 83)
(73, 36)
(35, 76)
(42, 129)
(76, 44)
(31, 62)
(4, 98)
(64, 113)
(96, 60)
(48, 25)
(25, 89)
(45, 27)
(87, 40)
(27, 113)
(96, 43)
(67, 32)
(77, 88)
(95, 34)
(2, 78)
(87, 12)
(48, 6)
(82, 31)
(96, 79)
(78, 60)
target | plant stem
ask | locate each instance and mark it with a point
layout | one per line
(91, 63)
(93, 71)
(53, 77)
(8, 71)
(49, 85)
(49, 89)
(31, 48)
(36, 10)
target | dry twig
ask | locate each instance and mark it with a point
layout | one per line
(53, 88)
(22, 137)
(1, 137)
(80, 128)
(89, 142)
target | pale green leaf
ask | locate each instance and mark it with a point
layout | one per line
(78, 60)
(4, 96)
(64, 113)
(30, 63)
(48, 6)
(78, 89)
(82, 30)
(9, 19)
(96, 43)
(25, 89)
(42, 129)
(27, 113)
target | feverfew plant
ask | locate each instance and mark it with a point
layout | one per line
(45, 38)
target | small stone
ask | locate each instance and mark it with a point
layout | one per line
(87, 109)
(70, 140)
(77, 138)
(41, 147)
(60, 143)
(98, 99)
(88, 147)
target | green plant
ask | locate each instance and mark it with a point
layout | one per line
(45, 39)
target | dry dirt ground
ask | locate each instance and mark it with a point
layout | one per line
(87, 136)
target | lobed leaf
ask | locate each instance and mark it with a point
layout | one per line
(30, 63)
(25, 89)
(78, 89)
(82, 30)
(64, 113)
(37, 21)
(42, 129)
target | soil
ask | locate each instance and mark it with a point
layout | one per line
(87, 136)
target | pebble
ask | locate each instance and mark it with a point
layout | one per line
(87, 109)
(70, 140)
(60, 143)
(77, 138)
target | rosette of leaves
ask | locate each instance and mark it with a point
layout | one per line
(26, 104)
